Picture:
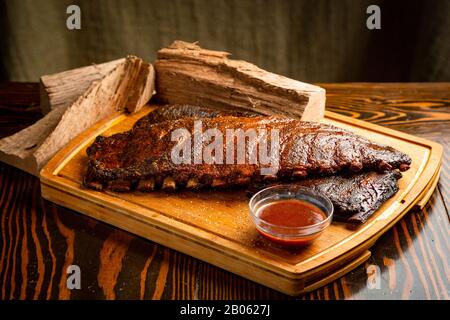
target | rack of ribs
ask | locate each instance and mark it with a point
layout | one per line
(141, 158)
(365, 173)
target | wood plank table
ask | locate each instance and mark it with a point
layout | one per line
(39, 240)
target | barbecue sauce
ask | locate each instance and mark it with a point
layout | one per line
(290, 213)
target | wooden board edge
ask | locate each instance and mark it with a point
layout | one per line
(429, 190)
(363, 257)
(384, 130)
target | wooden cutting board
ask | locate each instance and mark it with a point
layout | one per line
(215, 226)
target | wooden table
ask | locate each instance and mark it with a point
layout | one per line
(39, 240)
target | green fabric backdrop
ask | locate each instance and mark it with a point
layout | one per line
(315, 41)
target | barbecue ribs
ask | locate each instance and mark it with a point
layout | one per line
(141, 157)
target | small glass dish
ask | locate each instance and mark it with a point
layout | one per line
(281, 232)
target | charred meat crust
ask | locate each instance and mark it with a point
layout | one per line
(307, 149)
(179, 111)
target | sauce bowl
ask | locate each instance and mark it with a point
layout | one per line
(285, 233)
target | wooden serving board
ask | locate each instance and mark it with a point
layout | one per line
(215, 226)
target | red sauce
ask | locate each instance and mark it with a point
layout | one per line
(291, 213)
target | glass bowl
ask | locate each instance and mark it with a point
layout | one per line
(290, 235)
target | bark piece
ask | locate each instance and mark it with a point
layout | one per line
(63, 88)
(188, 74)
(129, 85)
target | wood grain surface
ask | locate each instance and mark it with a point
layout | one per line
(39, 240)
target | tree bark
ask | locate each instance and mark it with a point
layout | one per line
(188, 74)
